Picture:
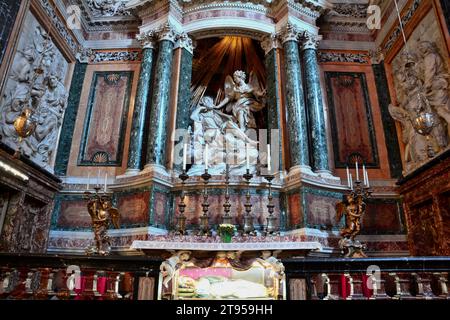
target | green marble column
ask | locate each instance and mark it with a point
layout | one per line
(135, 153)
(159, 114)
(184, 86)
(314, 103)
(70, 117)
(270, 45)
(295, 104)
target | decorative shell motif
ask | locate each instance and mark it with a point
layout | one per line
(100, 157)
(112, 78)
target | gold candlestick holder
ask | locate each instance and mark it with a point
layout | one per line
(181, 220)
(227, 218)
(204, 219)
(353, 207)
(102, 213)
(249, 227)
(271, 228)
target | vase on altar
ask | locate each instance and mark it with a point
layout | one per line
(226, 232)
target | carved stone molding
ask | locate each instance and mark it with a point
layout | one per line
(114, 56)
(270, 42)
(185, 41)
(108, 8)
(84, 55)
(324, 56)
(59, 25)
(310, 41)
(290, 33)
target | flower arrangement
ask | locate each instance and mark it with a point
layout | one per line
(226, 231)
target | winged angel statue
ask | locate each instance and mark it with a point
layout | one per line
(226, 125)
(102, 212)
(353, 208)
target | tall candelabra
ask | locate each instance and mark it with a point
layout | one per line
(227, 218)
(353, 206)
(271, 228)
(102, 213)
(181, 220)
(204, 219)
(249, 227)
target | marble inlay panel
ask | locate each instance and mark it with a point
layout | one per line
(351, 118)
(106, 119)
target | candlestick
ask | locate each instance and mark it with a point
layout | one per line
(89, 181)
(269, 166)
(181, 221)
(249, 228)
(184, 156)
(204, 219)
(351, 181)
(271, 228)
(357, 171)
(348, 177)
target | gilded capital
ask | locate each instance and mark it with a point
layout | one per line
(270, 42)
(310, 41)
(290, 33)
(147, 40)
(185, 41)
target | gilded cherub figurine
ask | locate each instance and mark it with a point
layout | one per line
(102, 212)
(353, 207)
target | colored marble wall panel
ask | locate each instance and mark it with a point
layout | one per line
(73, 214)
(8, 14)
(295, 210)
(106, 118)
(351, 118)
(321, 211)
(382, 218)
(134, 209)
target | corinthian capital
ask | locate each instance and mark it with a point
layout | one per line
(270, 42)
(147, 40)
(166, 32)
(184, 41)
(310, 41)
(290, 33)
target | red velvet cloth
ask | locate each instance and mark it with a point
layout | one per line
(80, 286)
(344, 287)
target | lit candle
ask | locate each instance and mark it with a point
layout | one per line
(206, 157)
(89, 181)
(351, 181)
(247, 156)
(185, 156)
(367, 177)
(269, 166)
(98, 178)
(364, 174)
(106, 181)
(348, 177)
(357, 171)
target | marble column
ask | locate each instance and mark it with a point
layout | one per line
(135, 152)
(314, 103)
(271, 45)
(295, 104)
(70, 116)
(184, 84)
(159, 113)
(8, 15)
